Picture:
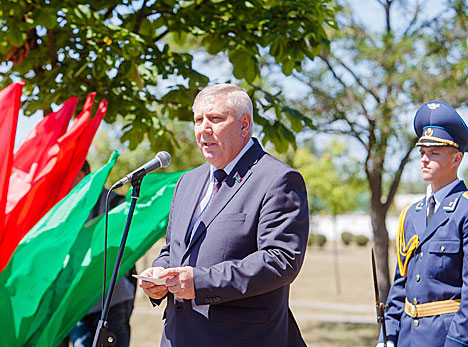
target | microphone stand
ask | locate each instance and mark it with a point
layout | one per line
(102, 337)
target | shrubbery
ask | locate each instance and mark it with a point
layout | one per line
(361, 240)
(347, 238)
(316, 240)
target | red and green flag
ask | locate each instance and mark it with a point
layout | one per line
(39, 182)
(55, 274)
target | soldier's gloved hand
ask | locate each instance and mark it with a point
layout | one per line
(389, 344)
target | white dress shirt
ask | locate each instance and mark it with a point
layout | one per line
(439, 195)
(203, 309)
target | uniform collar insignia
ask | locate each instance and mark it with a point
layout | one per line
(451, 205)
(420, 205)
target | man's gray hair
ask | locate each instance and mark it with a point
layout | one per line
(236, 98)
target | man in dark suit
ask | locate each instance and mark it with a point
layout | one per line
(427, 303)
(236, 236)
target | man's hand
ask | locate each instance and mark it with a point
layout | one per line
(152, 290)
(180, 281)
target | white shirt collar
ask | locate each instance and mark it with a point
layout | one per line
(441, 193)
(233, 163)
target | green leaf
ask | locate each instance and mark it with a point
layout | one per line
(294, 50)
(215, 44)
(83, 12)
(146, 28)
(295, 117)
(135, 75)
(277, 49)
(287, 67)
(244, 64)
(46, 19)
(16, 37)
(178, 96)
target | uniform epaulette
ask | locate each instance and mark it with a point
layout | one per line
(404, 249)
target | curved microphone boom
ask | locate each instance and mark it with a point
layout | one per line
(161, 160)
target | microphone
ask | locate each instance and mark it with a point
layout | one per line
(161, 160)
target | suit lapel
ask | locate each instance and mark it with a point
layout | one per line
(444, 211)
(234, 181)
(192, 199)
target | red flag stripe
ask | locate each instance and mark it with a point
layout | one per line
(63, 162)
(10, 103)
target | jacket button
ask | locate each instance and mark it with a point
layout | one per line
(442, 248)
(418, 278)
(421, 255)
(416, 323)
(206, 300)
(179, 307)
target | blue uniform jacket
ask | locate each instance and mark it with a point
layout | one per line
(435, 272)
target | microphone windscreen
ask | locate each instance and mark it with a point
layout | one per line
(164, 158)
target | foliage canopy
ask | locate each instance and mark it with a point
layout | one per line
(139, 55)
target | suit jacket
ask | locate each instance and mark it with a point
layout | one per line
(246, 251)
(437, 270)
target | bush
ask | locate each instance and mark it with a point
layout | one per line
(321, 240)
(347, 238)
(316, 240)
(361, 240)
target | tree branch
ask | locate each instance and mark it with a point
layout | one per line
(109, 12)
(358, 80)
(141, 14)
(52, 47)
(427, 23)
(160, 36)
(330, 67)
(397, 178)
(413, 20)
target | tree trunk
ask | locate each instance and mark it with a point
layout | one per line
(378, 214)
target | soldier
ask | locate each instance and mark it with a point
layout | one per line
(424, 303)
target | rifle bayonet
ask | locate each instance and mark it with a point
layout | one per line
(379, 306)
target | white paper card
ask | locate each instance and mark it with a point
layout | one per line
(157, 281)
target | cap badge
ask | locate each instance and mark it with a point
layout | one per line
(433, 105)
(429, 132)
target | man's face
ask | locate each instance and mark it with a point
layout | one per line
(219, 133)
(439, 164)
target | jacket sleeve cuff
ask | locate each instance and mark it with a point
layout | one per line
(157, 302)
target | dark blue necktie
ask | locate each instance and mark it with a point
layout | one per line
(430, 208)
(219, 177)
